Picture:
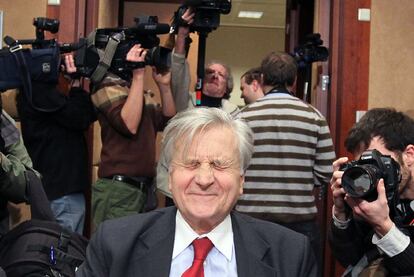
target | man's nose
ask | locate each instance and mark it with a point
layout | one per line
(204, 175)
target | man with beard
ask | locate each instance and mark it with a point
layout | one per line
(364, 236)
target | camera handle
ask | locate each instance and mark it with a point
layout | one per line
(202, 38)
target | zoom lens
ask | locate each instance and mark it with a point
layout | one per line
(360, 180)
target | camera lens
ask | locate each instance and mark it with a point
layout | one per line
(360, 180)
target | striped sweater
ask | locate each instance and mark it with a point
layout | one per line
(293, 152)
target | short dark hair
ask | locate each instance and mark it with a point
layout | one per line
(279, 70)
(252, 74)
(395, 128)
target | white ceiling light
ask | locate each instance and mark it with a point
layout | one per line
(250, 14)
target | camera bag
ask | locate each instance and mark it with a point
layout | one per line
(21, 65)
(40, 246)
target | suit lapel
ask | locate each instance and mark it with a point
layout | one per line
(154, 254)
(251, 250)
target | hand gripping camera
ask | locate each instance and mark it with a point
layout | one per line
(361, 177)
(207, 14)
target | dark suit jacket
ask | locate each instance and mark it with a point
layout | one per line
(142, 245)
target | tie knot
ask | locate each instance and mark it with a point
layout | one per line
(201, 248)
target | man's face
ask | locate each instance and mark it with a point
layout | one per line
(378, 143)
(250, 93)
(206, 181)
(215, 82)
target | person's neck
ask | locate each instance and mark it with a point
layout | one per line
(269, 89)
(208, 101)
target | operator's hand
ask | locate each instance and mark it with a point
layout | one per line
(338, 193)
(137, 54)
(187, 17)
(69, 64)
(161, 78)
(376, 213)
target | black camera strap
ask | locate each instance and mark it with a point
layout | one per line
(106, 58)
(17, 53)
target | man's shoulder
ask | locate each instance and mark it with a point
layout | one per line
(134, 225)
(274, 104)
(268, 230)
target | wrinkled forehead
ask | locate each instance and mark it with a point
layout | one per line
(217, 67)
(189, 143)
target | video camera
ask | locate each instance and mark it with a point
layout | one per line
(311, 51)
(40, 63)
(119, 41)
(361, 177)
(207, 14)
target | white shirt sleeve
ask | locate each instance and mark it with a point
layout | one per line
(393, 243)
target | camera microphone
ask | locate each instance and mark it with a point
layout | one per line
(192, 3)
(151, 29)
(69, 47)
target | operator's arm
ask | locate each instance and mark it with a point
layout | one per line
(122, 106)
(180, 72)
(163, 81)
(132, 110)
(78, 112)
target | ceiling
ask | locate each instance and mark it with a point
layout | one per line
(274, 14)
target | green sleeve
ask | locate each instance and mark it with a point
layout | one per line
(14, 162)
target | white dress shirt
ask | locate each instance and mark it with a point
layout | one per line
(220, 261)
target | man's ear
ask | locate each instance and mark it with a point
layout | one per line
(255, 85)
(408, 155)
(241, 184)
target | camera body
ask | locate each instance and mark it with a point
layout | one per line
(207, 14)
(311, 51)
(361, 177)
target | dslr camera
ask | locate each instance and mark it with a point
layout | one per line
(207, 14)
(361, 177)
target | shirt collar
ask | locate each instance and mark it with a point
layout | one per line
(221, 236)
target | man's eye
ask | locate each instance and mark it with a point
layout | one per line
(192, 164)
(219, 165)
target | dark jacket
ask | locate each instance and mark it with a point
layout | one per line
(56, 140)
(142, 245)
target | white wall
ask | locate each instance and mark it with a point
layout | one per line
(242, 48)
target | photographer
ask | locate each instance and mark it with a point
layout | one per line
(128, 129)
(363, 234)
(53, 128)
(14, 161)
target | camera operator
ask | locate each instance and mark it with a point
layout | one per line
(363, 234)
(14, 161)
(217, 85)
(53, 129)
(128, 130)
(218, 81)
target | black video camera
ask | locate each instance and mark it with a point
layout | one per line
(144, 32)
(311, 51)
(361, 177)
(41, 63)
(207, 14)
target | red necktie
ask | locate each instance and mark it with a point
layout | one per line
(201, 248)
